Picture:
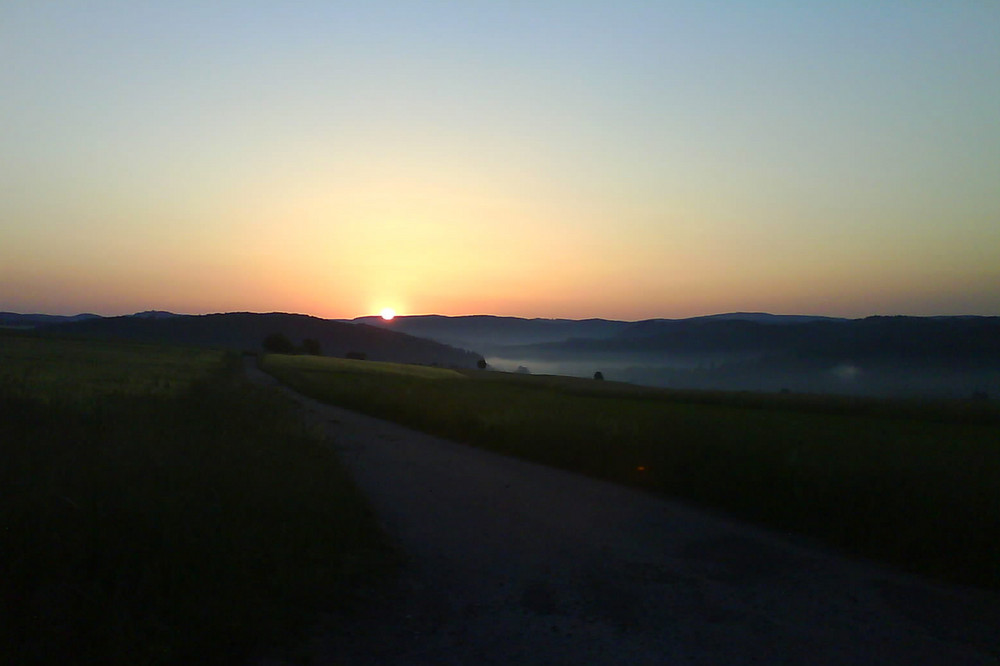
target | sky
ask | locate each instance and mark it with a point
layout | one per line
(625, 160)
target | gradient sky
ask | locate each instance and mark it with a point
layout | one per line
(624, 160)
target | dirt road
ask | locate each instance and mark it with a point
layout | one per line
(514, 563)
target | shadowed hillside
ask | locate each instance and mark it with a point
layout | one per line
(489, 333)
(889, 356)
(872, 337)
(15, 320)
(244, 331)
(483, 332)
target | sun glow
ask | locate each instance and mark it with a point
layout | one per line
(388, 314)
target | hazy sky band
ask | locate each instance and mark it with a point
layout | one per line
(624, 160)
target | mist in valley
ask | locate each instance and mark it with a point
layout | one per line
(738, 372)
(911, 357)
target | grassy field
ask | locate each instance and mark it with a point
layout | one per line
(360, 369)
(157, 509)
(914, 484)
(82, 371)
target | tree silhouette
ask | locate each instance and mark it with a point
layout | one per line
(312, 347)
(481, 364)
(599, 375)
(278, 343)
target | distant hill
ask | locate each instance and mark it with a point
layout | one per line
(735, 321)
(918, 338)
(154, 314)
(488, 333)
(246, 331)
(14, 319)
(955, 357)
(483, 332)
(762, 318)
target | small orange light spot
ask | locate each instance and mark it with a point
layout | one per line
(641, 468)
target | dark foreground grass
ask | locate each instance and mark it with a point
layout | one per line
(915, 486)
(203, 526)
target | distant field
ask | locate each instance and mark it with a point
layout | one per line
(350, 366)
(915, 484)
(157, 509)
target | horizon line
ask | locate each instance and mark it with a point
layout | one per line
(499, 316)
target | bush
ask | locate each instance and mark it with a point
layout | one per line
(312, 347)
(278, 343)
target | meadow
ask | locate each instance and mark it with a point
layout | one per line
(155, 508)
(83, 372)
(910, 483)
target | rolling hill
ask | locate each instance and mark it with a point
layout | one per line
(245, 331)
(15, 320)
(483, 332)
(916, 338)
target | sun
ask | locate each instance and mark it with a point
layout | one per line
(388, 314)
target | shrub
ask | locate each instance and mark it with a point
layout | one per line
(278, 343)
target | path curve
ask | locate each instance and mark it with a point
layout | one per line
(510, 562)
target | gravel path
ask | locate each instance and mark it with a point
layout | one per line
(514, 563)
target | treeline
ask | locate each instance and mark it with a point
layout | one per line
(278, 343)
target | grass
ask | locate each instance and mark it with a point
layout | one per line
(82, 372)
(157, 509)
(366, 368)
(913, 484)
